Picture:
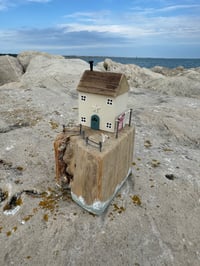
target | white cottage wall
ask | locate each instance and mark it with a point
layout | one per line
(105, 107)
(121, 103)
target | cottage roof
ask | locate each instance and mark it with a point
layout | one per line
(103, 83)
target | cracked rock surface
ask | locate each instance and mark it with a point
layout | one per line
(154, 220)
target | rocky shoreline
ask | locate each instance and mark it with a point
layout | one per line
(154, 220)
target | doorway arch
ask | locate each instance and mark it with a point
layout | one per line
(95, 121)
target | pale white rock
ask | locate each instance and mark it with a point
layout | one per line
(177, 86)
(163, 230)
(136, 75)
(26, 56)
(54, 73)
(177, 82)
(10, 69)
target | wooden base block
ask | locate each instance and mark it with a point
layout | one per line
(98, 207)
(96, 174)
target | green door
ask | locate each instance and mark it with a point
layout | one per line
(95, 122)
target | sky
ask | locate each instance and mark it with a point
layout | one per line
(126, 28)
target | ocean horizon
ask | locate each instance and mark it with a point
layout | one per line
(147, 62)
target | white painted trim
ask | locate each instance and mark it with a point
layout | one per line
(98, 207)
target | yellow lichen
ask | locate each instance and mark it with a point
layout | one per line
(118, 209)
(50, 202)
(20, 168)
(155, 163)
(8, 233)
(35, 210)
(136, 200)
(45, 217)
(147, 143)
(27, 218)
(167, 149)
(14, 228)
(53, 124)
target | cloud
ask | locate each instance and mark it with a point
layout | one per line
(39, 1)
(168, 8)
(103, 22)
(178, 7)
(60, 40)
(91, 15)
(135, 24)
(149, 27)
(79, 37)
(5, 4)
(106, 30)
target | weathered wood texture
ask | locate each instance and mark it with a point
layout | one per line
(104, 83)
(64, 157)
(117, 162)
(59, 149)
(97, 174)
(91, 174)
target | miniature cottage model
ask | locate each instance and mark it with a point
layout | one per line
(103, 99)
(94, 175)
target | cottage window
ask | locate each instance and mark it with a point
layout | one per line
(109, 125)
(109, 101)
(83, 98)
(83, 119)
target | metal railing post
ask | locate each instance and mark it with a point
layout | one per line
(100, 146)
(130, 116)
(117, 130)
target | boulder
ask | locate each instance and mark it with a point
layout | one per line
(168, 71)
(51, 73)
(175, 82)
(175, 86)
(136, 75)
(26, 56)
(10, 69)
(176, 123)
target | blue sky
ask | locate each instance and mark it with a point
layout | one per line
(142, 28)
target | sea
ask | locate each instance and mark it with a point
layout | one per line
(145, 62)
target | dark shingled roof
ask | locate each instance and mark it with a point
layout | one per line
(103, 83)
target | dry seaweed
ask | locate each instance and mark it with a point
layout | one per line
(14, 202)
(3, 195)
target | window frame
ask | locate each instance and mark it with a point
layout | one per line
(109, 101)
(109, 125)
(83, 119)
(83, 98)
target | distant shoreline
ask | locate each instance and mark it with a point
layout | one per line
(147, 62)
